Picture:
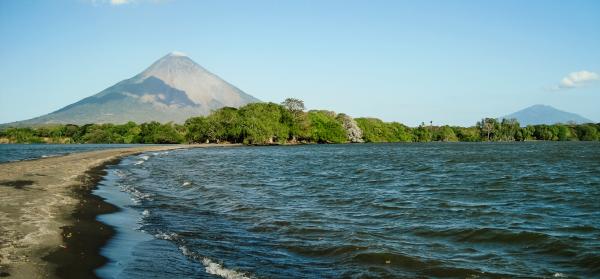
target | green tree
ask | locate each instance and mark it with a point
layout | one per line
(422, 133)
(264, 123)
(295, 106)
(226, 124)
(401, 132)
(587, 132)
(375, 130)
(100, 134)
(155, 132)
(297, 122)
(508, 129)
(325, 128)
(545, 132)
(200, 130)
(565, 133)
(488, 128)
(445, 133)
(470, 134)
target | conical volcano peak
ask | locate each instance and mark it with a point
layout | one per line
(173, 88)
(201, 86)
(173, 63)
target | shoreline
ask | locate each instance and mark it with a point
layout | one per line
(48, 226)
(84, 239)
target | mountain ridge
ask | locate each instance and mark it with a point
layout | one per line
(545, 114)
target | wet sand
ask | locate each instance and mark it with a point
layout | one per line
(48, 226)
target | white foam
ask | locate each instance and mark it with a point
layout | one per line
(139, 162)
(144, 157)
(146, 213)
(136, 196)
(187, 183)
(186, 251)
(50, 155)
(216, 269)
(167, 236)
(211, 267)
(120, 174)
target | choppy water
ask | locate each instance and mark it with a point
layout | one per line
(353, 211)
(18, 152)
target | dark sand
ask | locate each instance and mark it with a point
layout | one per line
(80, 253)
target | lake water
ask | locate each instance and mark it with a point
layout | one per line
(18, 152)
(459, 210)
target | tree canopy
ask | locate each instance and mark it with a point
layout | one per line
(288, 122)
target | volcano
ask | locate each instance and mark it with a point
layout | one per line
(543, 114)
(172, 89)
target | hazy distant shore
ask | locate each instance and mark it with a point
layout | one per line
(48, 224)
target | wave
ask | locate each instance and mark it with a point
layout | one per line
(457, 272)
(167, 236)
(392, 259)
(136, 196)
(535, 242)
(50, 155)
(314, 251)
(579, 229)
(212, 267)
(589, 261)
(485, 235)
(217, 269)
(143, 158)
(421, 266)
(418, 227)
(120, 173)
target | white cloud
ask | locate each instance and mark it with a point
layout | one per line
(119, 2)
(577, 79)
(110, 2)
(123, 2)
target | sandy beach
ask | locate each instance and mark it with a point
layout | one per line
(47, 214)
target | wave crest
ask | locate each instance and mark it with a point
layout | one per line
(212, 267)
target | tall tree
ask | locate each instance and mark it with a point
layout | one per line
(296, 106)
(487, 126)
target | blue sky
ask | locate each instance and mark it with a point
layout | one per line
(450, 62)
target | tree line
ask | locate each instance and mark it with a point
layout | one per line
(289, 123)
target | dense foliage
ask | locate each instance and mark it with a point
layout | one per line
(269, 123)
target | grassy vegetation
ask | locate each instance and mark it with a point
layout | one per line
(270, 123)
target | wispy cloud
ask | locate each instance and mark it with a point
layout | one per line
(123, 2)
(120, 2)
(577, 79)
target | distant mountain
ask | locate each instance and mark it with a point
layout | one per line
(174, 88)
(542, 114)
